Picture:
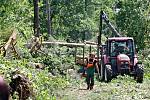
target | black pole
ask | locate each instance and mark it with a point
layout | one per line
(90, 49)
(99, 37)
(100, 28)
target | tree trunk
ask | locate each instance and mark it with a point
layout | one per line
(48, 17)
(36, 19)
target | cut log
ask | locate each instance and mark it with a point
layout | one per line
(67, 44)
(11, 41)
(10, 44)
(91, 43)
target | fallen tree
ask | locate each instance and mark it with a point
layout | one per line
(10, 45)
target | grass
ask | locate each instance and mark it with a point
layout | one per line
(120, 88)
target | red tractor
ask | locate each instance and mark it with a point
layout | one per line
(118, 56)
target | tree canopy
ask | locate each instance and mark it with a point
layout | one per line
(78, 19)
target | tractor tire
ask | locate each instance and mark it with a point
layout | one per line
(139, 73)
(107, 73)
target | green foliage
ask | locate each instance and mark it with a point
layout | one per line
(44, 85)
(57, 60)
(70, 18)
(16, 14)
(4, 35)
(132, 20)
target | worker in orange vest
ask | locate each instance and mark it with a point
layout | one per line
(91, 65)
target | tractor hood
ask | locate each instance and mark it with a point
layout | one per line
(123, 57)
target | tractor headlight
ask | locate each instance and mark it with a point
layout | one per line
(124, 63)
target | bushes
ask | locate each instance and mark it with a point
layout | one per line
(43, 83)
(57, 60)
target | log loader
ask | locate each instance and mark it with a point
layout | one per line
(118, 55)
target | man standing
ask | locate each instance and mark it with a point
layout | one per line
(91, 64)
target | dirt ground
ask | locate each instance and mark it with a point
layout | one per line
(122, 88)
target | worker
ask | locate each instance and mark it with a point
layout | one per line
(4, 90)
(121, 49)
(91, 64)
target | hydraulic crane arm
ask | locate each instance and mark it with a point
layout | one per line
(103, 17)
(106, 20)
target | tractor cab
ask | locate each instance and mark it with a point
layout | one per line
(117, 47)
(121, 52)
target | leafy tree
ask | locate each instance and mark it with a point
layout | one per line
(132, 20)
(71, 18)
(16, 14)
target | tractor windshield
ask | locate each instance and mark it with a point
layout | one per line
(121, 47)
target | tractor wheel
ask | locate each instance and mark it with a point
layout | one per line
(139, 73)
(108, 73)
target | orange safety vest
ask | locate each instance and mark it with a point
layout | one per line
(89, 65)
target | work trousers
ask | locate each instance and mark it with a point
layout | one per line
(90, 79)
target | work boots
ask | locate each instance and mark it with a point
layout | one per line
(88, 87)
(91, 87)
